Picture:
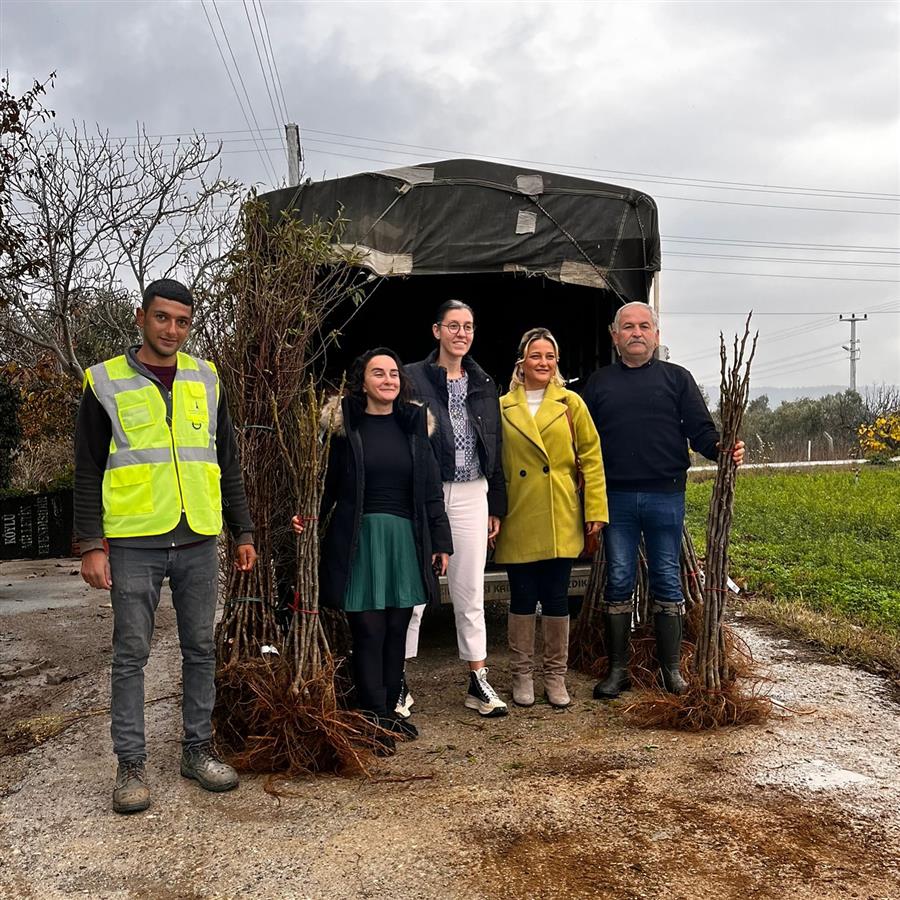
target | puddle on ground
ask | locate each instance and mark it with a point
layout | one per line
(813, 775)
(840, 742)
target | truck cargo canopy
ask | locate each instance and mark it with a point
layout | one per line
(470, 217)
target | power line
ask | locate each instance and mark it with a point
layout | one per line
(793, 370)
(709, 182)
(785, 259)
(795, 358)
(776, 368)
(785, 275)
(722, 312)
(260, 10)
(230, 79)
(768, 339)
(656, 196)
(674, 180)
(741, 242)
(806, 327)
(237, 70)
(869, 212)
(262, 70)
(788, 370)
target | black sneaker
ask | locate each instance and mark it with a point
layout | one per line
(483, 697)
(404, 700)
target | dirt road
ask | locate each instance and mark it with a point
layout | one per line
(544, 803)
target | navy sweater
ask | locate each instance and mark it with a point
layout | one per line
(646, 417)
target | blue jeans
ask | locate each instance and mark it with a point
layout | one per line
(660, 517)
(137, 576)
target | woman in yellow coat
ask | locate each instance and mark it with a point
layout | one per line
(544, 426)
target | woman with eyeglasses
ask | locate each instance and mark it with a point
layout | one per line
(550, 450)
(387, 536)
(463, 400)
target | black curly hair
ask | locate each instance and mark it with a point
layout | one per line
(168, 289)
(356, 377)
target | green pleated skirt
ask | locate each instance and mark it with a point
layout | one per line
(385, 571)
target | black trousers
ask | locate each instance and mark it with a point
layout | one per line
(379, 645)
(545, 581)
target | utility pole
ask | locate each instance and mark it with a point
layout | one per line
(853, 347)
(295, 157)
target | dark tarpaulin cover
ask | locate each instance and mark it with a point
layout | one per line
(466, 216)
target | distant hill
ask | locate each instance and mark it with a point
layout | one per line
(778, 395)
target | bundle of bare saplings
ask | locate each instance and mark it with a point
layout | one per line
(724, 685)
(279, 706)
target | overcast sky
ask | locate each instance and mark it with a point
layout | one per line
(670, 98)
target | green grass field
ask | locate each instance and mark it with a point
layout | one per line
(828, 539)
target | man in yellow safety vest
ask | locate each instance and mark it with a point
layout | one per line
(156, 466)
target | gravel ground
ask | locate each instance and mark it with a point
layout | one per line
(544, 803)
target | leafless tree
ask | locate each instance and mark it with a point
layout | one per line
(19, 116)
(881, 400)
(102, 218)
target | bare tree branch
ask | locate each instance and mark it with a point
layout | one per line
(101, 218)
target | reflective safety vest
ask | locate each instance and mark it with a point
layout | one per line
(158, 467)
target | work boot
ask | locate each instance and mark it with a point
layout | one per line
(668, 630)
(483, 697)
(131, 794)
(205, 767)
(617, 634)
(556, 657)
(520, 631)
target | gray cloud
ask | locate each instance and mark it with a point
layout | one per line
(775, 93)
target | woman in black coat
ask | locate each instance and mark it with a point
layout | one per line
(386, 533)
(463, 400)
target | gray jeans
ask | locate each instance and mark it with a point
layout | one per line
(137, 576)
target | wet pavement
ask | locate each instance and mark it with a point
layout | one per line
(543, 803)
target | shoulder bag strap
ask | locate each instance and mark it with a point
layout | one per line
(579, 480)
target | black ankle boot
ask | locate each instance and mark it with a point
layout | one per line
(668, 630)
(402, 728)
(617, 632)
(383, 740)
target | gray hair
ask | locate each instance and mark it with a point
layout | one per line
(621, 309)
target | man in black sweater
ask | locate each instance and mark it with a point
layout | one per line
(646, 412)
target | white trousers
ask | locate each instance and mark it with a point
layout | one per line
(467, 510)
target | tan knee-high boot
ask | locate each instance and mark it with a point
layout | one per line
(520, 630)
(556, 658)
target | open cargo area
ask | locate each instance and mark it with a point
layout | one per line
(523, 248)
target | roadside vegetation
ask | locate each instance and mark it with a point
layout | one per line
(819, 554)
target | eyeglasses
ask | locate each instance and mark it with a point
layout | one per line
(454, 327)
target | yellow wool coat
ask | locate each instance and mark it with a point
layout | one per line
(545, 518)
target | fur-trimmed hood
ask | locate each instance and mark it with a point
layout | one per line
(332, 416)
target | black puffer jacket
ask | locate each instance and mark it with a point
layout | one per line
(342, 502)
(430, 383)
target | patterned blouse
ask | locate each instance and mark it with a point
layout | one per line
(465, 441)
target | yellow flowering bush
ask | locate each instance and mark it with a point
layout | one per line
(881, 438)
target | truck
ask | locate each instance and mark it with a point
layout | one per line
(522, 247)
